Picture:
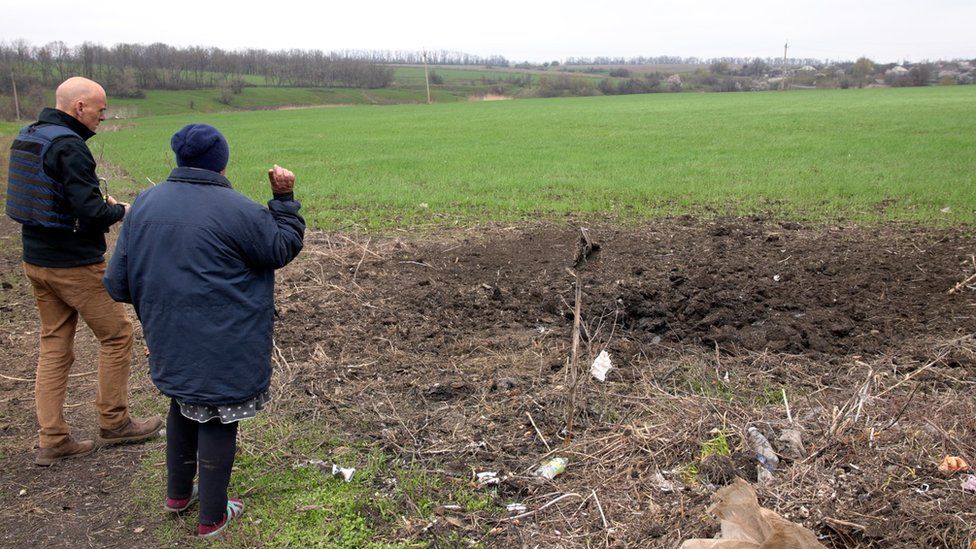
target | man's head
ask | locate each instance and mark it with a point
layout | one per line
(83, 99)
(200, 146)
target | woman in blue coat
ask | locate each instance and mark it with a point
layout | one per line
(196, 259)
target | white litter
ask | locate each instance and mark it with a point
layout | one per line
(969, 483)
(346, 473)
(488, 477)
(601, 366)
(309, 463)
(515, 508)
(776, 278)
(662, 483)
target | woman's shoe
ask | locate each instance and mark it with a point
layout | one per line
(235, 508)
(182, 504)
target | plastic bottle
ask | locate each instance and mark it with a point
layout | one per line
(764, 451)
(551, 467)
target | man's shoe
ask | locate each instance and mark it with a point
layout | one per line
(136, 430)
(68, 449)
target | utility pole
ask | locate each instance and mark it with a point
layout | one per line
(786, 81)
(16, 100)
(426, 77)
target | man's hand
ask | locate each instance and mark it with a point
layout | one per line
(282, 180)
(111, 202)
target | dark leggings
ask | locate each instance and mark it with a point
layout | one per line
(215, 443)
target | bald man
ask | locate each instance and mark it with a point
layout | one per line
(53, 192)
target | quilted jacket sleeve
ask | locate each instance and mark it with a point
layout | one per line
(276, 236)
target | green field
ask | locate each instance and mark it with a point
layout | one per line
(862, 155)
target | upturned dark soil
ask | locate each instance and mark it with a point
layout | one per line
(452, 350)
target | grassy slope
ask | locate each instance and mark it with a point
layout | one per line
(167, 102)
(408, 88)
(862, 154)
(414, 76)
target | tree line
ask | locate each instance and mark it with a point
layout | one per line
(440, 57)
(126, 69)
(677, 60)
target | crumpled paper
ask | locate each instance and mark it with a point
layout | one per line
(790, 444)
(601, 366)
(746, 525)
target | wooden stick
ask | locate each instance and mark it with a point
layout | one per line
(789, 416)
(837, 522)
(600, 507)
(538, 432)
(560, 498)
(32, 380)
(900, 412)
(356, 272)
(913, 374)
(574, 361)
(963, 283)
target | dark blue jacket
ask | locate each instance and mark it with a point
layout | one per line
(197, 259)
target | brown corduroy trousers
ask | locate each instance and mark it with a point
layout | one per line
(64, 294)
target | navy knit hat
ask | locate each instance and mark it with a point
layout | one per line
(200, 146)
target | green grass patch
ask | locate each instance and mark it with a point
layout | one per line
(769, 395)
(289, 506)
(716, 446)
(861, 155)
(8, 129)
(689, 473)
(709, 387)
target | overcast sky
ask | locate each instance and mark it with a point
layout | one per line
(885, 31)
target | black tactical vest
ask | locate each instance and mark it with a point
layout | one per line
(33, 198)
